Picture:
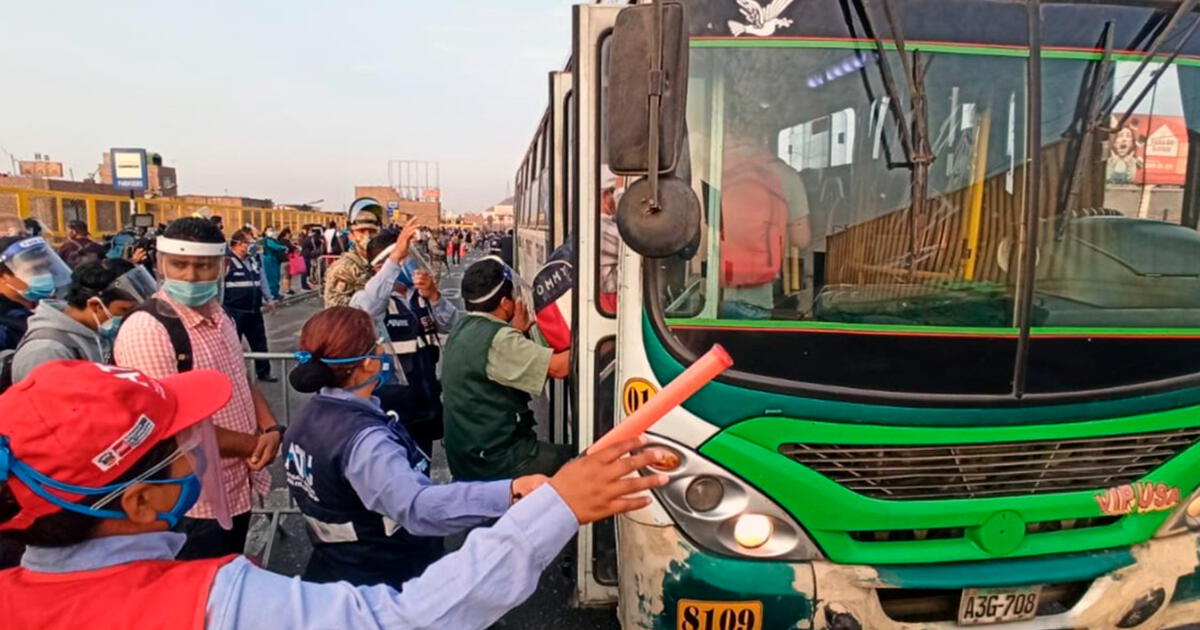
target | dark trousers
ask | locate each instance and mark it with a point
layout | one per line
(547, 459)
(254, 330)
(206, 539)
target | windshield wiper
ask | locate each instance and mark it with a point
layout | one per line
(1185, 7)
(913, 128)
(889, 84)
(1082, 130)
(1090, 118)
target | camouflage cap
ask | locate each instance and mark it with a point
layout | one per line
(365, 220)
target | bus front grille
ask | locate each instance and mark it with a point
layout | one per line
(950, 533)
(966, 471)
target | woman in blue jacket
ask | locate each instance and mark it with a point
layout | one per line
(359, 478)
(274, 254)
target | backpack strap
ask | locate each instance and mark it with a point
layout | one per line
(180, 342)
(57, 336)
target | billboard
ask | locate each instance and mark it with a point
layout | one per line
(1149, 149)
(129, 170)
(40, 168)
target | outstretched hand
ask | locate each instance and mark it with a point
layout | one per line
(599, 485)
(524, 486)
(425, 284)
(406, 236)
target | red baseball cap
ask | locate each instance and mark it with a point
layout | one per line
(86, 424)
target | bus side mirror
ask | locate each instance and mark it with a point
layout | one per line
(646, 113)
(631, 72)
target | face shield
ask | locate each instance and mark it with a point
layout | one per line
(137, 283)
(408, 268)
(36, 264)
(197, 445)
(192, 273)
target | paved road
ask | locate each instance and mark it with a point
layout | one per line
(547, 609)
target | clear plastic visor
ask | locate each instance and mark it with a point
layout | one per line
(137, 283)
(192, 268)
(34, 257)
(198, 445)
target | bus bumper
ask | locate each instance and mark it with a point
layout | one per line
(669, 584)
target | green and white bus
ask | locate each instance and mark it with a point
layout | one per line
(952, 248)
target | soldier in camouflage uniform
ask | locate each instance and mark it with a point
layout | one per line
(350, 273)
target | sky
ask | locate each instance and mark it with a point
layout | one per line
(294, 101)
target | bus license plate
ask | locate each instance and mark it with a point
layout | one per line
(997, 605)
(698, 615)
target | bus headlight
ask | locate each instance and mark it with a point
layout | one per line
(722, 513)
(753, 530)
(1185, 519)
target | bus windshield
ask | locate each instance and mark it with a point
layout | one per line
(808, 162)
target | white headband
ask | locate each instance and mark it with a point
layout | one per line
(189, 248)
(506, 277)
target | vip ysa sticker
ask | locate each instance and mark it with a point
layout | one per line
(1138, 498)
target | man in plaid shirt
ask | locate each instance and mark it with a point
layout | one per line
(191, 259)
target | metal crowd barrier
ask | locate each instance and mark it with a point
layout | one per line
(323, 263)
(282, 363)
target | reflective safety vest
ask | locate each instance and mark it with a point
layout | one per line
(147, 595)
(243, 285)
(350, 541)
(416, 342)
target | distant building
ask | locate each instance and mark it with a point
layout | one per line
(44, 210)
(227, 200)
(500, 216)
(428, 210)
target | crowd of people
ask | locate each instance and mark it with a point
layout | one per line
(145, 465)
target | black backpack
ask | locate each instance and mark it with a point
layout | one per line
(180, 342)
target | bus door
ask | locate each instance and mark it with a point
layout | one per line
(593, 378)
(561, 173)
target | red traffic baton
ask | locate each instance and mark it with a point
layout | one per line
(699, 374)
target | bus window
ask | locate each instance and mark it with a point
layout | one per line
(610, 187)
(561, 221)
(809, 217)
(1119, 247)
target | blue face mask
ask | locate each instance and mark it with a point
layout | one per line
(406, 273)
(109, 328)
(191, 293)
(189, 491)
(41, 287)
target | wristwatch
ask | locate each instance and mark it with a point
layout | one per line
(277, 428)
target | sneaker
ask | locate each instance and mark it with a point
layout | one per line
(268, 379)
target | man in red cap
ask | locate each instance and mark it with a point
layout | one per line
(97, 464)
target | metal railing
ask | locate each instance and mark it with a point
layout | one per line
(282, 363)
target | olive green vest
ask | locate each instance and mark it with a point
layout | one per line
(489, 426)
